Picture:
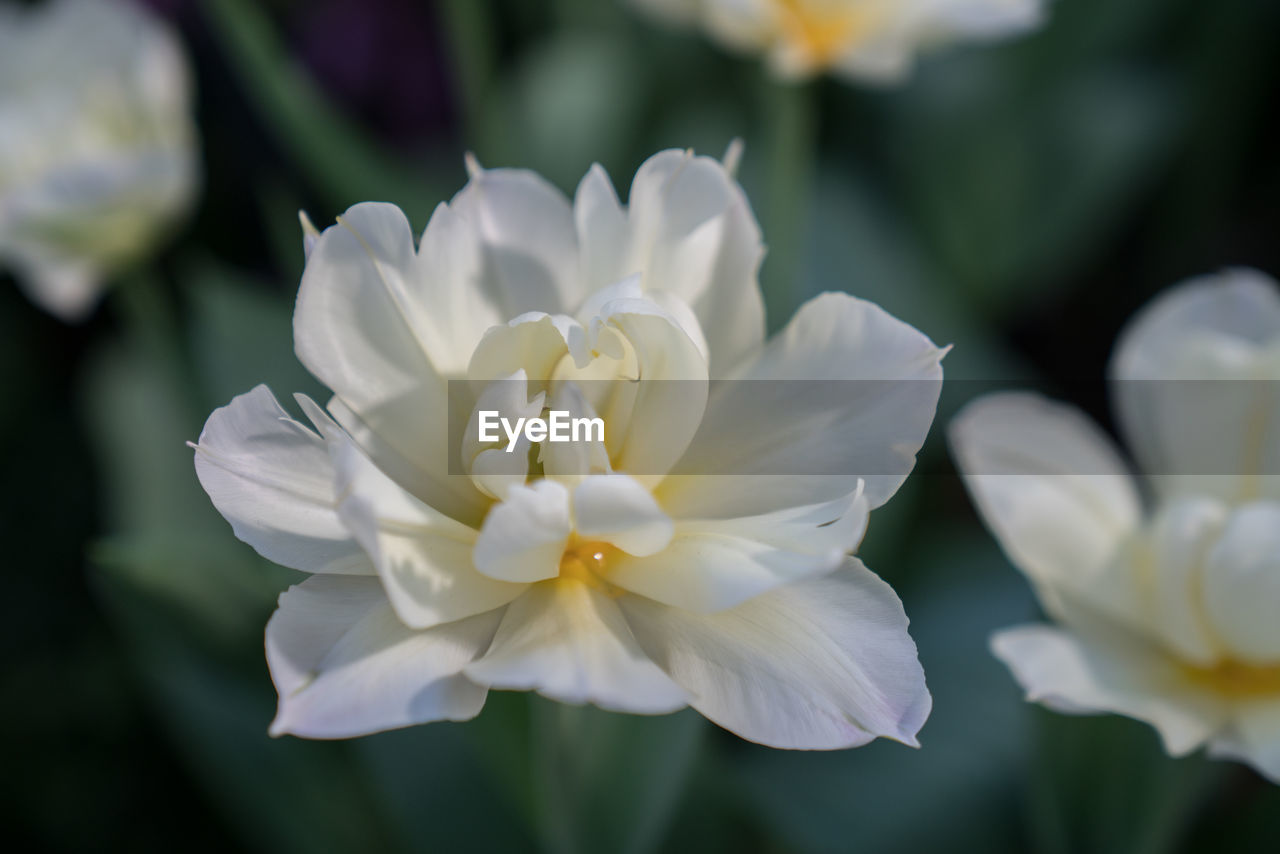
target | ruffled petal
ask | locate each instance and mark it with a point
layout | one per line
(820, 664)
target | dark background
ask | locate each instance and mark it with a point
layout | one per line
(1020, 201)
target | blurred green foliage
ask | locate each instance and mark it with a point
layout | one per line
(1018, 201)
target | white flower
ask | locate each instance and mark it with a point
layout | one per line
(1172, 615)
(868, 40)
(674, 565)
(97, 145)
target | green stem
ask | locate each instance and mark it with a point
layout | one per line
(790, 110)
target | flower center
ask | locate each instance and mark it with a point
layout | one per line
(824, 29)
(587, 561)
(1236, 679)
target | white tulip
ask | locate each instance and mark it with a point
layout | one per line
(1169, 614)
(866, 40)
(670, 564)
(97, 145)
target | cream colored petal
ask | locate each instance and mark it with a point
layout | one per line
(1242, 584)
(713, 565)
(1078, 675)
(272, 479)
(422, 556)
(345, 666)
(569, 642)
(846, 393)
(524, 537)
(1048, 483)
(820, 664)
(1193, 379)
(618, 510)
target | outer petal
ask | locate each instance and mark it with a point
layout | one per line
(422, 556)
(361, 327)
(1194, 380)
(845, 393)
(1254, 737)
(689, 231)
(271, 478)
(529, 250)
(820, 664)
(1049, 484)
(1070, 674)
(713, 565)
(345, 666)
(569, 642)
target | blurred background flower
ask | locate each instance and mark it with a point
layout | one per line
(1167, 615)
(1021, 200)
(861, 40)
(98, 150)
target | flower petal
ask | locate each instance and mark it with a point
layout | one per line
(422, 556)
(271, 478)
(713, 565)
(361, 328)
(617, 510)
(1242, 584)
(1048, 482)
(1071, 674)
(345, 666)
(820, 664)
(689, 231)
(529, 249)
(570, 642)
(1255, 738)
(1194, 381)
(845, 393)
(524, 537)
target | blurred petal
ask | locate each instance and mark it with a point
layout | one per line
(1048, 482)
(820, 664)
(1195, 384)
(569, 642)
(345, 666)
(1241, 579)
(1070, 674)
(845, 393)
(271, 478)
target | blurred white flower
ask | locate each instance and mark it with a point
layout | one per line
(670, 565)
(1170, 616)
(866, 40)
(97, 145)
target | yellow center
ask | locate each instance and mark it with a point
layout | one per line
(1237, 680)
(587, 561)
(824, 30)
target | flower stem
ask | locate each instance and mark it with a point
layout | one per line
(790, 111)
